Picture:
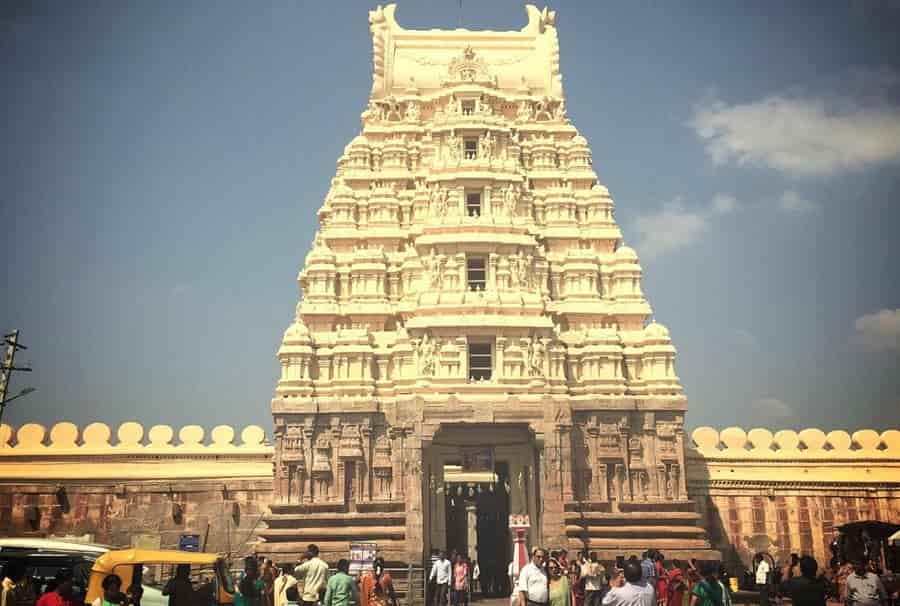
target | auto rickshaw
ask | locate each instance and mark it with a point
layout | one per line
(129, 565)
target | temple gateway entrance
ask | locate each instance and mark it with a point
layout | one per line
(475, 476)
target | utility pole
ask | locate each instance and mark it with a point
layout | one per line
(12, 345)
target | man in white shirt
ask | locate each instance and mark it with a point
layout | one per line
(314, 573)
(440, 573)
(532, 585)
(592, 571)
(628, 589)
(762, 581)
(513, 573)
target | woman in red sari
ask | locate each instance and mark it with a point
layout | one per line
(662, 585)
(675, 585)
(376, 587)
(576, 584)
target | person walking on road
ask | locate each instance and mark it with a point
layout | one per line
(441, 572)
(314, 573)
(341, 588)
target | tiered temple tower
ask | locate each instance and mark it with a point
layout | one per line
(473, 341)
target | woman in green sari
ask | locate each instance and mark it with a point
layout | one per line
(559, 584)
(707, 592)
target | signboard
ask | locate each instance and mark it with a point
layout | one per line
(477, 459)
(362, 557)
(189, 542)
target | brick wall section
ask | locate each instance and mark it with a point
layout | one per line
(788, 521)
(115, 513)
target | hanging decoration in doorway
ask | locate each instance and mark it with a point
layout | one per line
(477, 459)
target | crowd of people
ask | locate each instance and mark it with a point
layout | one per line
(453, 578)
(551, 579)
(308, 583)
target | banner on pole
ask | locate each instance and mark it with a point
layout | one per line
(362, 557)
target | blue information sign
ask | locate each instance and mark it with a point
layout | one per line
(189, 542)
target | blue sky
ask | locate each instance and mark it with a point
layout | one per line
(161, 165)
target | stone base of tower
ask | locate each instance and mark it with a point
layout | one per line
(292, 527)
(629, 528)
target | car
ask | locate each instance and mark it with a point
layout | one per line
(44, 557)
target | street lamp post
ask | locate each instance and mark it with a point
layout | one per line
(3, 404)
(6, 370)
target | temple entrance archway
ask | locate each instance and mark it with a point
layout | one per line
(475, 476)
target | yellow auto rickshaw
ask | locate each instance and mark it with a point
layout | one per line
(129, 565)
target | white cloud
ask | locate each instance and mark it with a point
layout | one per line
(676, 226)
(805, 134)
(772, 408)
(793, 202)
(879, 331)
(724, 203)
(672, 228)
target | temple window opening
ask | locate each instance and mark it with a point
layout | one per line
(476, 273)
(470, 148)
(473, 203)
(480, 361)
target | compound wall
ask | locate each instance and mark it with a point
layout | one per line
(758, 491)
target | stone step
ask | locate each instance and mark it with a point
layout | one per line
(598, 518)
(608, 556)
(315, 534)
(332, 508)
(643, 531)
(649, 506)
(637, 545)
(282, 520)
(330, 549)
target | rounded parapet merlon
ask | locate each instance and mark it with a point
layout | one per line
(96, 438)
(734, 442)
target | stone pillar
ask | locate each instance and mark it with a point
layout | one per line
(412, 479)
(681, 483)
(565, 460)
(552, 517)
(601, 469)
(364, 473)
(280, 475)
(308, 433)
(398, 473)
(471, 531)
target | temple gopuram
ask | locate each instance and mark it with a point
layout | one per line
(472, 351)
(472, 340)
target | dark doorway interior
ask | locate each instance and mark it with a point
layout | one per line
(494, 548)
